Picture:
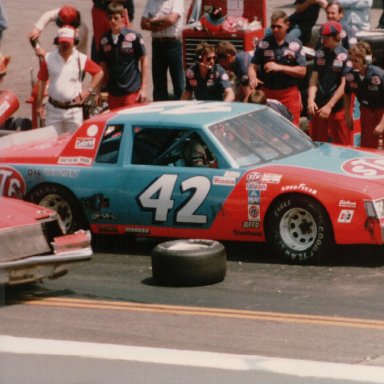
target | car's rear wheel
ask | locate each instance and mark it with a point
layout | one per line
(298, 229)
(190, 262)
(63, 202)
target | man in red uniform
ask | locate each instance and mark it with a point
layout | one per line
(326, 88)
(366, 81)
(278, 64)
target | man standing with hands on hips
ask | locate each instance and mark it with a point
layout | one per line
(64, 69)
(164, 18)
(278, 64)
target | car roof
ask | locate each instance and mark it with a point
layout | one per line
(186, 113)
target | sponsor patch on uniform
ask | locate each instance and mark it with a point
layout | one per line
(320, 61)
(346, 216)
(192, 82)
(320, 53)
(130, 37)
(337, 63)
(375, 80)
(342, 56)
(225, 76)
(126, 44)
(349, 77)
(263, 44)
(103, 41)
(269, 53)
(107, 48)
(343, 34)
(294, 46)
(189, 74)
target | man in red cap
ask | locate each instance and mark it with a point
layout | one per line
(66, 15)
(326, 88)
(64, 69)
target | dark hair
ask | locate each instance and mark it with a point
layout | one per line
(203, 49)
(339, 6)
(257, 97)
(224, 48)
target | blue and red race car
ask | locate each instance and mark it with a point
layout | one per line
(224, 171)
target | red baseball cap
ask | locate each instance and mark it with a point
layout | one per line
(67, 14)
(330, 28)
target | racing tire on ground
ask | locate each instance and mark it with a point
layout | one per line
(191, 262)
(62, 201)
(299, 230)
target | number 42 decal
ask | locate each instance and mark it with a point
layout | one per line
(158, 196)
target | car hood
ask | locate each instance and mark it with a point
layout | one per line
(338, 166)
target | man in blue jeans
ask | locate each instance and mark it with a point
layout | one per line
(165, 19)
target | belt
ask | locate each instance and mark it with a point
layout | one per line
(64, 105)
(165, 39)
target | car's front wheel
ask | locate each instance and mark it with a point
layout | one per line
(63, 202)
(298, 229)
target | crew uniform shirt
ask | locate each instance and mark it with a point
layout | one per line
(210, 88)
(65, 76)
(369, 90)
(122, 61)
(160, 8)
(240, 66)
(289, 53)
(331, 66)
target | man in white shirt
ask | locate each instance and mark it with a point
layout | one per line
(64, 68)
(165, 19)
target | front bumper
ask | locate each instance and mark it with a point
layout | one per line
(50, 266)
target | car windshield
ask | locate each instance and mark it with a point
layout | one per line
(259, 137)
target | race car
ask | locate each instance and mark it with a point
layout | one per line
(209, 170)
(33, 245)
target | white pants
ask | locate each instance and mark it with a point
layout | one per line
(64, 120)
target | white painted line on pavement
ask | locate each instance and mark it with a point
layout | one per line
(300, 368)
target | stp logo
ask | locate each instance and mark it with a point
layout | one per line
(254, 177)
(11, 183)
(365, 167)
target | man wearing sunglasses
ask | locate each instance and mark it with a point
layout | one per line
(278, 64)
(207, 80)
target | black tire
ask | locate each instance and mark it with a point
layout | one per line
(63, 202)
(191, 262)
(298, 230)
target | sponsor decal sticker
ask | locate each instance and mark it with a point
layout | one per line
(347, 204)
(256, 187)
(346, 216)
(365, 168)
(12, 183)
(254, 212)
(85, 143)
(254, 197)
(75, 160)
(92, 130)
(142, 231)
(299, 187)
(270, 178)
(220, 180)
(251, 224)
